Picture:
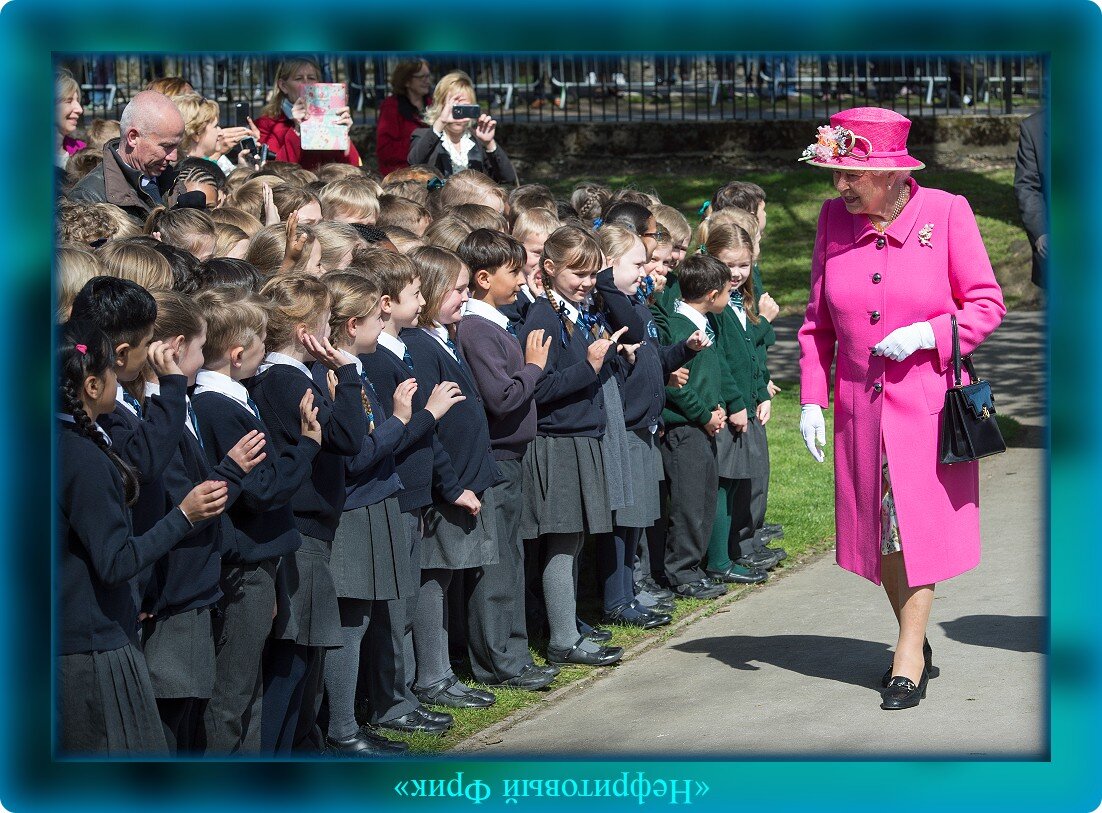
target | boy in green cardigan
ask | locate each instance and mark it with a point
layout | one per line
(694, 415)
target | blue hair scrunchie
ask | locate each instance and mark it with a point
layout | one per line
(645, 289)
(436, 183)
(704, 207)
(597, 223)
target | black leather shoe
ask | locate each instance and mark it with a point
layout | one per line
(414, 722)
(445, 693)
(902, 693)
(779, 552)
(651, 586)
(636, 615)
(771, 530)
(927, 655)
(437, 716)
(595, 634)
(737, 574)
(703, 589)
(364, 744)
(760, 559)
(666, 606)
(531, 678)
(604, 656)
(549, 668)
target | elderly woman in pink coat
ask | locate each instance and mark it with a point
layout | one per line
(892, 263)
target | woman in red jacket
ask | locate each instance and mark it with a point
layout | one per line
(280, 118)
(401, 113)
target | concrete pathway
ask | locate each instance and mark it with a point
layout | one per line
(793, 667)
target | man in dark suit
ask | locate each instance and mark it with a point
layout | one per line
(1031, 189)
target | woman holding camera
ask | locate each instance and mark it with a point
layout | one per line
(453, 144)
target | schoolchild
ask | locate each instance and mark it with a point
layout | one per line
(739, 445)
(370, 559)
(695, 413)
(505, 375)
(565, 496)
(459, 528)
(389, 366)
(644, 397)
(531, 228)
(261, 527)
(177, 635)
(307, 620)
(106, 704)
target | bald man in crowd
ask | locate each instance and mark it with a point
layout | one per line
(137, 173)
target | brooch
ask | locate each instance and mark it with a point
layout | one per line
(924, 235)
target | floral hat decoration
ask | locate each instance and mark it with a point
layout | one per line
(863, 138)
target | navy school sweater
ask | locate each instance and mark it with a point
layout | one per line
(506, 384)
(319, 501)
(569, 401)
(463, 450)
(370, 474)
(263, 526)
(98, 552)
(187, 577)
(414, 453)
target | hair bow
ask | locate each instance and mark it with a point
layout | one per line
(597, 222)
(702, 250)
(82, 349)
(436, 183)
(704, 207)
(645, 289)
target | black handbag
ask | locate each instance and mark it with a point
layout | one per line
(969, 430)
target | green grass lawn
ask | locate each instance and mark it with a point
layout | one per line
(801, 498)
(794, 199)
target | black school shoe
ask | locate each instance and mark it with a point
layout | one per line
(649, 585)
(771, 530)
(531, 678)
(737, 574)
(604, 656)
(635, 614)
(445, 693)
(703, 589)
(761, 559)
(364, 743)
(414, 722)
(595, 634)
(902, 693)
(927, 655)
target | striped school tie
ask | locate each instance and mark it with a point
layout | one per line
(134, 404)
(194, 423)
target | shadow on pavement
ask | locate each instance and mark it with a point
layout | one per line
(845, 660)
(1016, 633)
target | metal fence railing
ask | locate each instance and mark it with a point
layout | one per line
(610, 87)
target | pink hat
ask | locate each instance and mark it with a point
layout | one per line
(863, 138)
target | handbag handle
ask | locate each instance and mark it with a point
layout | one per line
(957, 360)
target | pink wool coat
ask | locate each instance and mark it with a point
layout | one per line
(859, 294)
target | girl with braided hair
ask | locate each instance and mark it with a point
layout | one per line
(105, 701)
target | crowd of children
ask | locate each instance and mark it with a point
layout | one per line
(333, 446)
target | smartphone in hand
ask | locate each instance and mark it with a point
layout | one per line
(465, 111)
(241, 114)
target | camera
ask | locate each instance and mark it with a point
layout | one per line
(465, 111)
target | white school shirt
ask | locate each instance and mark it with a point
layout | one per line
(354, 360)
(693, 315)
(440, 333)
(154, 388)
(740, 313)
(572, 312)
(477, 307)
(393, 344)
(70, 419)
(273, 359)
(208, 381)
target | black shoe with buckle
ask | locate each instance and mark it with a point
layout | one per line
(604, 656)
(414, 722)
(927, 655)
(902, 693)
(445, 693)
(530, 678)
(737, 574)
(364, 743)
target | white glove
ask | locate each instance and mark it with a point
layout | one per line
(903, 341)
(813, 428)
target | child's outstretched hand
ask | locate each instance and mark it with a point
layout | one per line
(536, 348)
(162, 358)
(271, 213)
(296, 243)
(323, 351)
(678, 378)
(628, 351)
(597, 351)
(308, 417)
(206, 500)
(248, 451)
(403, 399)
(698, 341)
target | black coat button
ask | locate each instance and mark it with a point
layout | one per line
(876, 278)
(875, 316)
(881, 242)
(878, 386)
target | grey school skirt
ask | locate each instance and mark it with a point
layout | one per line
(742, 455)
(454, 540)
(306, 598)
(645, 466)
(564, 488)
(106, 705)
(370, 559)
(614, 449)
(179, 653)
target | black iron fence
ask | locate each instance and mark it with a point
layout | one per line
(614, 87)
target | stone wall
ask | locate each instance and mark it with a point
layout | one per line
(541, 150)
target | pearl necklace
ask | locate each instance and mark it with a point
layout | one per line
(900, 202)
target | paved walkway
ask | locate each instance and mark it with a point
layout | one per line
(794, 667)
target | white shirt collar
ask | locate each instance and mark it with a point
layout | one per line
(440, 333)
(61, 416)
(209, 381)
(354, 360)
(154, 388)
(693, 315)
(120, 398)
(739, 312)
(571, 310)
(393, 344)
(524, 289)
(273, 359)
(459, 153)
(477, 307)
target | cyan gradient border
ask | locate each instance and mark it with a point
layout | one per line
(1068, 31)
